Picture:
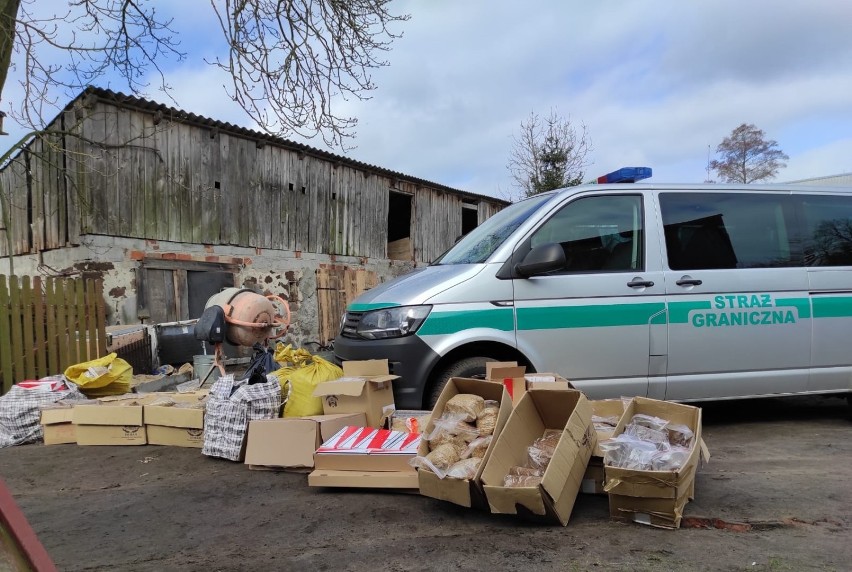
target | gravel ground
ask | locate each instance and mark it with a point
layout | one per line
(775, 496)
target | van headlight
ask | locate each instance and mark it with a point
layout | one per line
(392, 322)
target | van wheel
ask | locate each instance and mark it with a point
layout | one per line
(467, 367)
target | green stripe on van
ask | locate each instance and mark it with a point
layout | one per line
(679, 311)
(802, 306)
(451, 322)
(597, 316)
(832, 307)
(373, 306)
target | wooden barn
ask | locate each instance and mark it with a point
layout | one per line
(168, 207)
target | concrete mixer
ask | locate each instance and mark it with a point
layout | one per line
(251, 317)
(244, 318)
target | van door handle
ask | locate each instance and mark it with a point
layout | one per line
(688, 282)
(640, 283)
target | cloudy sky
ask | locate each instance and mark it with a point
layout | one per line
(657, 84)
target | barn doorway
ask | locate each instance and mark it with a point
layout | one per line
(399, 226)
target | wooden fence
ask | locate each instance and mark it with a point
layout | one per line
(48, 325)
(336, 288)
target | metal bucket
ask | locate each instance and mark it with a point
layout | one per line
(201, 367)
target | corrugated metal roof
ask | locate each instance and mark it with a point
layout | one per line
(842, 180)
(130, 101)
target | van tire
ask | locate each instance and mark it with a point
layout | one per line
(467, 367)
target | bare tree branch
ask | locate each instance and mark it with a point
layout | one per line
(548, 154)
(747, 157)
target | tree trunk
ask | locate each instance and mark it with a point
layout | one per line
(8, 13)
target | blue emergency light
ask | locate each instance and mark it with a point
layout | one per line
(626, 175)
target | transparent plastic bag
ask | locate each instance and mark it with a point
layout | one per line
(452, 423)
(477, 447)
(627, 452)
(444, 456)
(486, 421)
(658, 438)
(525, 472)
(649, 421)
(543, 448)
(521, 481)
(670, 460)
(467, 405)
(464, 469)
(680, 435)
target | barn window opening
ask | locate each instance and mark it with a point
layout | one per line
(470, 216)
(399, 226)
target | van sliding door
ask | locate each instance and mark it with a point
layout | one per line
(737, 295)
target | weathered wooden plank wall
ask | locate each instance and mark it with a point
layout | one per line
(164, 179)
(336, 288)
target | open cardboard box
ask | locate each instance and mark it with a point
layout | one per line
(656, 498)
(518, 382)
(289, 443)
(464, 492)
(553, 500)
(359, 448)
(364, 388)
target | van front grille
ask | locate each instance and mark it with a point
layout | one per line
(350, 324)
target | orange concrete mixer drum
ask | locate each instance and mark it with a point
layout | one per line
(251, 317)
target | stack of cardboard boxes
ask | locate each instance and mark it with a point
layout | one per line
(153, 419)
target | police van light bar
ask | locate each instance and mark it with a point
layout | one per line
(626, 175)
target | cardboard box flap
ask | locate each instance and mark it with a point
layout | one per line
(352, 387)
(492, 365)
(501, 373)
(55, 415)
(365, 368)
(505, 500)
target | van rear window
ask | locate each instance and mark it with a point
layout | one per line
(827, 229)
(729, 230)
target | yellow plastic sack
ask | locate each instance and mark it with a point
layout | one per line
(287, 356)
(109, 375)
(300, 382)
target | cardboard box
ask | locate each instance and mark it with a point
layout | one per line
(57, 426)
(364, 479)
(552, 501)
(111, 434)
(606, 408)
(518, 382)
(413, 421)
(655, 498)
(290, 443)
(110, 421)
(593, 478)
(467, 493)
(364, 388)
(179, 423)
(358, 448)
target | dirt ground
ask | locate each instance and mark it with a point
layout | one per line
(776, 491)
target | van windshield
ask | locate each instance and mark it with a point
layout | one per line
(480, 243)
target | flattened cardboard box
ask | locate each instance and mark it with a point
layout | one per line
(290, 442)
(463, 492)
(57, 426)
(364, 388)
(364, 479)
(659, 513)
(553, 500)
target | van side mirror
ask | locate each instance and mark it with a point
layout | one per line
(541, 260)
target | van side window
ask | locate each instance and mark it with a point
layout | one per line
(827, 221)
(598, 234)
(728, 230)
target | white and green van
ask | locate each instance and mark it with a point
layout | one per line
(687, 292)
